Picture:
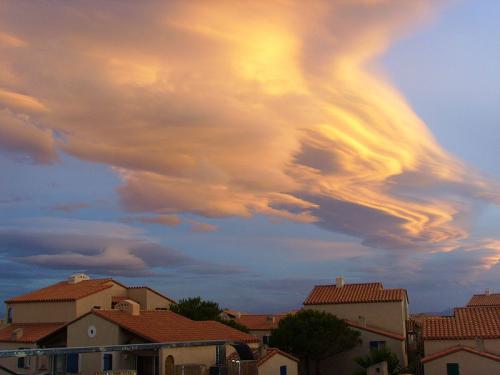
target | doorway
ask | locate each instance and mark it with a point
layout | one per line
(148, 365)
(169, 365)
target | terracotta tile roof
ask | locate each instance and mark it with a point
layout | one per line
(63, 291)
(271, 352)
(354, 293)
(459, 348)
(31, 332)
(466, 323)
(166, 326)
(485, 300)
(376, 330)
(260, 322)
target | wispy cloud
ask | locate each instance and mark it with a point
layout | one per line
(168, 220)
(238, 109)
(197, 226)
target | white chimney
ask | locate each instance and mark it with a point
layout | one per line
(77, 278)
(487, 291)
(129, 306)
(339, 281)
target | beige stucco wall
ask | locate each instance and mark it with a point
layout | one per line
(36, 363)
(148, 299)
(390, 316)
(43, 312)
(102, 299)
(343, 364)
(433, 346)
(107, 333)
(469, 364)
(272, 366)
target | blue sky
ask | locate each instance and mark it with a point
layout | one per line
(246, 159)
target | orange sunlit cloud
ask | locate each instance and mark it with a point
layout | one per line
(237, 109)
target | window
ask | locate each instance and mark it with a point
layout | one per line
(107, 362)
(376, 345)
(452, 369)
(9, 315)
(282, 370)
(265, 340)
(72, 363)
(23, 362)
(96, 307)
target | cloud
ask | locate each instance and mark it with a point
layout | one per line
(167, 220)
(238, 109)
(69, 207)
(96, 247)
(197, 226)
(20, 134)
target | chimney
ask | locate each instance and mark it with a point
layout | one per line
(271, 318)
(128, 306)
(487, 291)
(238, 315)
(17, 334)
(77, 278)
(339, 281)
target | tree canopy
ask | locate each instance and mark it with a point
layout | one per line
(197, 309)
(313, 335)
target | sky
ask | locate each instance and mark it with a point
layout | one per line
(247, 151)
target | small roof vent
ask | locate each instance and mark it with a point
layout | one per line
(487, 291)
(77, 278)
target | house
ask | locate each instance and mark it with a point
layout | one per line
(35, 315)
(270, 361)
(26, 336)
(66, 300)
(379, 314)
(127, 324)
(466, 343)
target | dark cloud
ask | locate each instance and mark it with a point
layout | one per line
(114, 249)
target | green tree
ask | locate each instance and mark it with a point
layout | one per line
(197, 309)
(313, 336)
(377, 356)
